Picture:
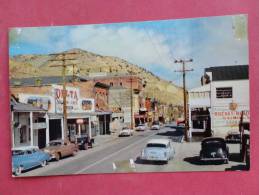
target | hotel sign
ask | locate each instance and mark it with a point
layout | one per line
(72, 98)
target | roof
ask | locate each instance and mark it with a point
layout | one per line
(34, 81)
(25, 148)
(225, 73)
(204, 88)
(17, 106)
(159, 141)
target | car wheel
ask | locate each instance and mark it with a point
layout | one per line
(58, 156)
(43, 163)
(18, 171)
(85, 146)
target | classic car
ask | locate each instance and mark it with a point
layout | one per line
(141, 127)
(155, 125)
(84, 141)
(125, 132)
(214, 149)
(60, 148)
(27, 157)
(233, 137)
(158, 150)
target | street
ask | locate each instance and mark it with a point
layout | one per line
(119, 150)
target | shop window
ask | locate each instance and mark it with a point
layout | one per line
(224, 92)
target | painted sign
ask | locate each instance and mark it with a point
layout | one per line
(72, 98)
(40, 101)
(229, 118)
(87, 105)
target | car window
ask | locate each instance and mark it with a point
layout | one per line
(17, 152)
(54, 143)
(157, 145)
(124, 128)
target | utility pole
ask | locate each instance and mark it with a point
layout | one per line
(184, 70)
(63, 59)
(131, 101)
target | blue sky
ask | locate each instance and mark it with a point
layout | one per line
(154, 45)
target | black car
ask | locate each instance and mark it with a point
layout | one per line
(214, 149)
(84, 142)
(233, 137)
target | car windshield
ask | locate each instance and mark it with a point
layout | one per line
(214, 144)
(155, 123)
(17, 152)
(124, 128)
(157, 145)
(54, 143)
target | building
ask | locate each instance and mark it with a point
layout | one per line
(87, 104)
(217, 105)
(28, 124)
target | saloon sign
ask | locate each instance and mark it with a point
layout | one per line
(72, 98)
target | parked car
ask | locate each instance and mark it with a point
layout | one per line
(141, 127)
(60, 148)
(155, 125)
(233, 137)
(214, 149)
(158, 150)
(24, 158)
(180, 122)
(125, 132)
(84, 141)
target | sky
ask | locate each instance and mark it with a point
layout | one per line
(154, 45)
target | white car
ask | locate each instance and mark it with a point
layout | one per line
(155, 126)
(141, 127)
(125, 132)
(158, 150)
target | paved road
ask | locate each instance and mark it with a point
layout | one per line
(119, 151)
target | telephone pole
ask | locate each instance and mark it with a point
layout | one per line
(61, 62)
(184, 70)
(131, 101)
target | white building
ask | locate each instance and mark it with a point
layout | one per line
(218, 104)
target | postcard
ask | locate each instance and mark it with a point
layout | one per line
(147, 96)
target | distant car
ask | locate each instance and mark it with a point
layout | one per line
(60, 148)
(214, 149)
(27, 157)
(84, 141)
(180, 122)
(141, 127)
(125, 132)
(155, 125)
(158, 150)
(233, 137)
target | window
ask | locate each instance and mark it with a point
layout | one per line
(224, 92)
(111, 83)
(120, 83)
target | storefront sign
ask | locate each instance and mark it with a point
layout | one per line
(72, 98)
(87, 105)
(40, 101)
(229, 118)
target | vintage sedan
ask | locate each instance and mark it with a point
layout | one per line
(214, 149)
(27, 157)
(125, 132)
(84, 141)
(233, 137)
(155, 125)
(158, 150)
(61, 148)
(141, 127)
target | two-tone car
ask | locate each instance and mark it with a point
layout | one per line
(214, 149)
(155, 125)
(58, 149)
(125, 131)
(28, 157)
(158, 150)
(141, 127)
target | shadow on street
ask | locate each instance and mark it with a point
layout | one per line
(238, 168)
(139, 161)
(196, 161)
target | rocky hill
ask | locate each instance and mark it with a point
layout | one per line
(86, 62)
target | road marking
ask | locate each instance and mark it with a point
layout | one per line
(113, 154)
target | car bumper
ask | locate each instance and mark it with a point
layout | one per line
(153, 158)
(213, 159)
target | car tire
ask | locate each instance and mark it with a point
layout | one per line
(58, 156)
(85, 146)
(43, 163)
(18, 171)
